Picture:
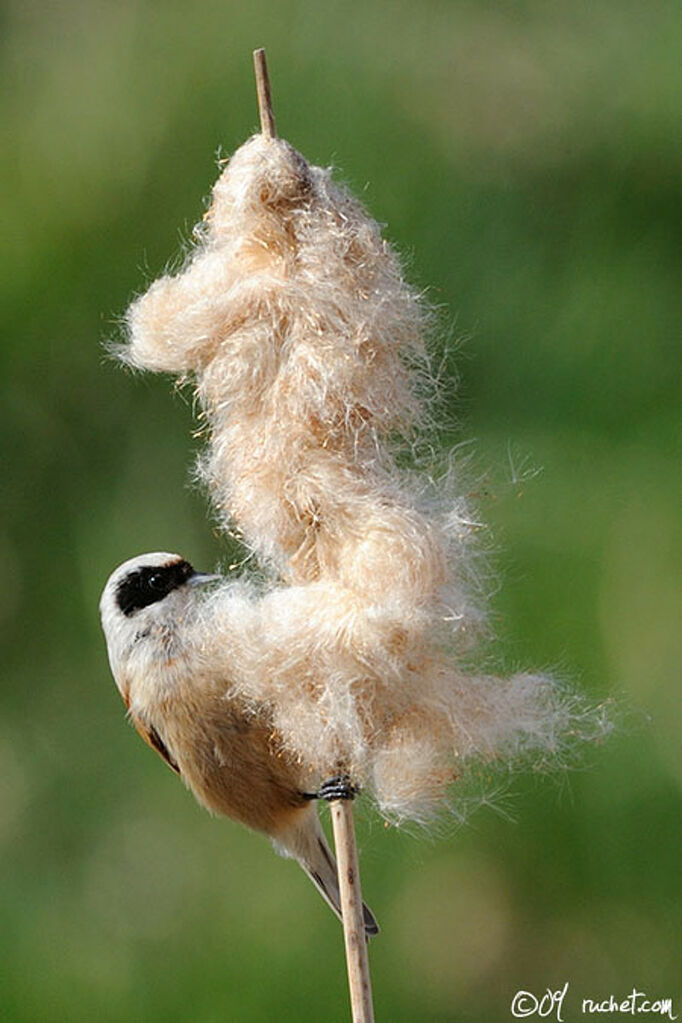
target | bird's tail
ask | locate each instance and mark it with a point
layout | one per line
(307, 844)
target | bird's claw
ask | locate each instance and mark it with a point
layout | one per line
(339, 787)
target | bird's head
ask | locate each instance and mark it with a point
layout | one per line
(147, 608)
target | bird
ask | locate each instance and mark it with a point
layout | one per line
(185, 708)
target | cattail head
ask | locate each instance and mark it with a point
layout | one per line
(301, 337)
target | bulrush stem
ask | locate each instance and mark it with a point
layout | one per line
(267, 117)
(357, 961)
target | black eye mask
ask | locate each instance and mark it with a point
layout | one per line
(148, 585)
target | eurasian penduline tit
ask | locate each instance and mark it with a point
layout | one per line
(150, 607)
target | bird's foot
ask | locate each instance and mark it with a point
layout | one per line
(339, 787)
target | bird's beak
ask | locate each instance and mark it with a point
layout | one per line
(199, 578)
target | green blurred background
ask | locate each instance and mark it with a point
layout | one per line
(526, 159)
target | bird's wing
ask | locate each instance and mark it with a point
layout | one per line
(153, 739)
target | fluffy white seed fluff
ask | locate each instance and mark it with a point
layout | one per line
(305, 346)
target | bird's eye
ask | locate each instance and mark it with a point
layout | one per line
(150, 585)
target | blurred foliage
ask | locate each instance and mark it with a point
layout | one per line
(526, 158)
